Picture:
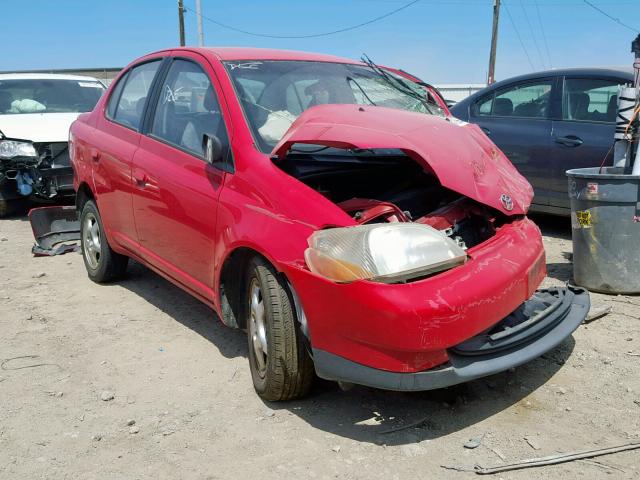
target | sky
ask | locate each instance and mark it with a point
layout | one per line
(441, 41)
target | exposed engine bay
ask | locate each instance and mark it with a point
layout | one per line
(46, 173)
(377, 186)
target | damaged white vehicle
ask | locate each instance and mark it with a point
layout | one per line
(36, 111)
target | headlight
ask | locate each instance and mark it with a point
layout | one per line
(381, 252)
(11, 149)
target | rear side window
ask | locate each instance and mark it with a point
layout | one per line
(590, 99)
(115, 95)
(187, 109)
(525, 100)
(132, 95)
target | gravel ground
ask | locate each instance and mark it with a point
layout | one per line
(138, 380)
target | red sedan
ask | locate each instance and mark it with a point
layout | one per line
(326, 207)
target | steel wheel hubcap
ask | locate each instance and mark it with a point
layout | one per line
(257, 327)
(91, 240)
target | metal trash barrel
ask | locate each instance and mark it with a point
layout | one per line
(605, 228)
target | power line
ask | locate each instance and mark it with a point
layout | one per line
(533, 35)
(544, 34)
(506, 7)
(313, 35)
(617, 20)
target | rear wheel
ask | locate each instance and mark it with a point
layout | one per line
(281, 367)
(101, 262)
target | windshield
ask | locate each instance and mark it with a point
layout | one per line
(48, 96)
(274, 93)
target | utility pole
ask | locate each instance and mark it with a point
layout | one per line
(494, 42)
(199, 15)
(181, 21)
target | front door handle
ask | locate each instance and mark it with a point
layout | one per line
(569, 141)
(486, 131)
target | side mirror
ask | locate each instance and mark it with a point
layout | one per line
(212, 149)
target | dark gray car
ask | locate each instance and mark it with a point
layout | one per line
(549, 122)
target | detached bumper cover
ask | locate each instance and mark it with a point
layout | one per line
(54, 228)
(537, 326)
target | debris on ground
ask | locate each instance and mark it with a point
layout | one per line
(474, 442)
(544, 461)
(596, 312)
(416, 424)
(107, 396)
(533, 443)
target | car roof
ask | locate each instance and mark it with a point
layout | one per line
(559, 72)
(45, 76)
(624, 72)
(246, 53)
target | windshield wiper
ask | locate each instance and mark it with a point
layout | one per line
(397, 83)
(353, 80)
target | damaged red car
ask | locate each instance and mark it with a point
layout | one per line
(326, 207)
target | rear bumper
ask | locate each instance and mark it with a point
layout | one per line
(465, 364)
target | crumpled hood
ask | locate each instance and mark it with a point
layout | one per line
(37, 127)
(459, 154)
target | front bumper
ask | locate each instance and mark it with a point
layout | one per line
(410, 327)
(519, 338)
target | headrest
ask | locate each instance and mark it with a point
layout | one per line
(209, 103)
(503, 106)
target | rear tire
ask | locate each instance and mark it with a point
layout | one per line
(281, 367)
(101, 262)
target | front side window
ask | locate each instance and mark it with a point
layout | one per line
(590, 99)
(274, 93)
(525, 100)
(34, 95)
(131, 102)
(188, 109)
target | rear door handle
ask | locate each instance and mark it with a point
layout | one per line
(486, 131)
(569, 141)
(95, 154)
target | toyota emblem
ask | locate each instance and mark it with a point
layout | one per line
(507, 202)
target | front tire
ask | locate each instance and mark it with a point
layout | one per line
(101, 262)
(281, 367)
(8, 207)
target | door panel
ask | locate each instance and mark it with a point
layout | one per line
(175, 203)
(517, 119)
(114, 146)
(591, 147)
(583, 136)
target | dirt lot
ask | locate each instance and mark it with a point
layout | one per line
(184, 380)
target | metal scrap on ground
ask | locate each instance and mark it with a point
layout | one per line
(543, 461)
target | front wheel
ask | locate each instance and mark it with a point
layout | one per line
(281, 367)
(101, 262)
(8, 207)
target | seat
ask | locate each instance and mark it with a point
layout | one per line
(503, 107)
(200, 123)
(612, 108)
(579, 106)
